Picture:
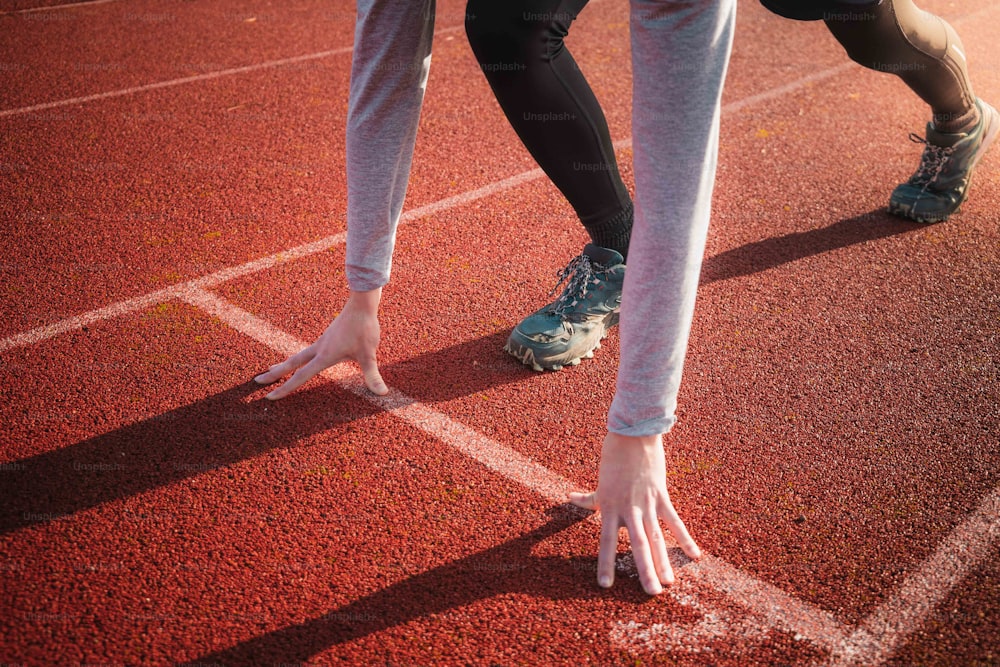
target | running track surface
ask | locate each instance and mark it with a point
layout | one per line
(173, 217)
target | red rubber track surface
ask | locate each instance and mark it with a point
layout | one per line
(836, 453)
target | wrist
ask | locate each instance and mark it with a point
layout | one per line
(617, 439)
(364, 302)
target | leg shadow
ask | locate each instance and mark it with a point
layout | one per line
(770, 253)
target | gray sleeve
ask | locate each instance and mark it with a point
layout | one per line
(680, 52)
(392, 56)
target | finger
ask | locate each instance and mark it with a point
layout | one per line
(678, 529)
(640, 552)
(373, 379)
(300, 377)
(278, 371)
(587, 501)
(607, 552)
(658, 548)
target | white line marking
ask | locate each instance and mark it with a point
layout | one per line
(769, 606)
(715, 625)
(211, 280)
(490, 453)
(766, 609)
(49, 8)
(790, 87)
(872, 643)
(79, 321)
(734, 106)
(207, 76)
(961, 552)
(42, 333)
(778, 607)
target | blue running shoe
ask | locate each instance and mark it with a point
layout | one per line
(571, 327)
(941, 183)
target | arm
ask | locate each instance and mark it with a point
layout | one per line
(391, 60)
(674, 176)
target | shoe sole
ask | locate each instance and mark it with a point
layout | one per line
(989, 135)
(526, 355)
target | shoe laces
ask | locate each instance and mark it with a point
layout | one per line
(580, 274)
(932, 162)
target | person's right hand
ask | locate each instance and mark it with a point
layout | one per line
(353, 335)
(632, 493)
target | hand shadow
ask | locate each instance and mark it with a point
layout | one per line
(190, 440)
(227, 428)
(217, 431)
(507, 568)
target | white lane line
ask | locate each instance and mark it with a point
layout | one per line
(49, 8)
(207, 76)
(769, 606)
(127, 306)
(41, 333)
(766, 609)
(490, 453)
(790, 87)
(79, 321)
(731, 107)
(872, 643)
(779, 608)
(964, 550)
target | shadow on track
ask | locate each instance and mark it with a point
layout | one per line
(224, 429)
(770, 253)
(229, 427)
(503, 569)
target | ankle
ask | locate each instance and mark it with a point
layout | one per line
(951, 123)
(613, 233)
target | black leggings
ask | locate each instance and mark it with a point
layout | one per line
(925, 52)
(519, 45)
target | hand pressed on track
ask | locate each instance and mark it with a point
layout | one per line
(632, 493)
(353, 335)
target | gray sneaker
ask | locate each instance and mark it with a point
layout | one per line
(941, 183)
(571, 327)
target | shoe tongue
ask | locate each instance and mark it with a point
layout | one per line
(603, 256)
(943, 139)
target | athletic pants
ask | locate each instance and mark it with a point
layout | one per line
(675, 173)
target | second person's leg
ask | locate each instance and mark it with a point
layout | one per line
(926, 53)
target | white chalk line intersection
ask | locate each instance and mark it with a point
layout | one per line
(873, 642)
(769, 605)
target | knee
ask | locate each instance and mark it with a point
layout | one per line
(492, 33)
(865, 31)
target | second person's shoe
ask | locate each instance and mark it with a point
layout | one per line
(941, 183)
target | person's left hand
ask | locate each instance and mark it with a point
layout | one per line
(632, 493)
(352, 336)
